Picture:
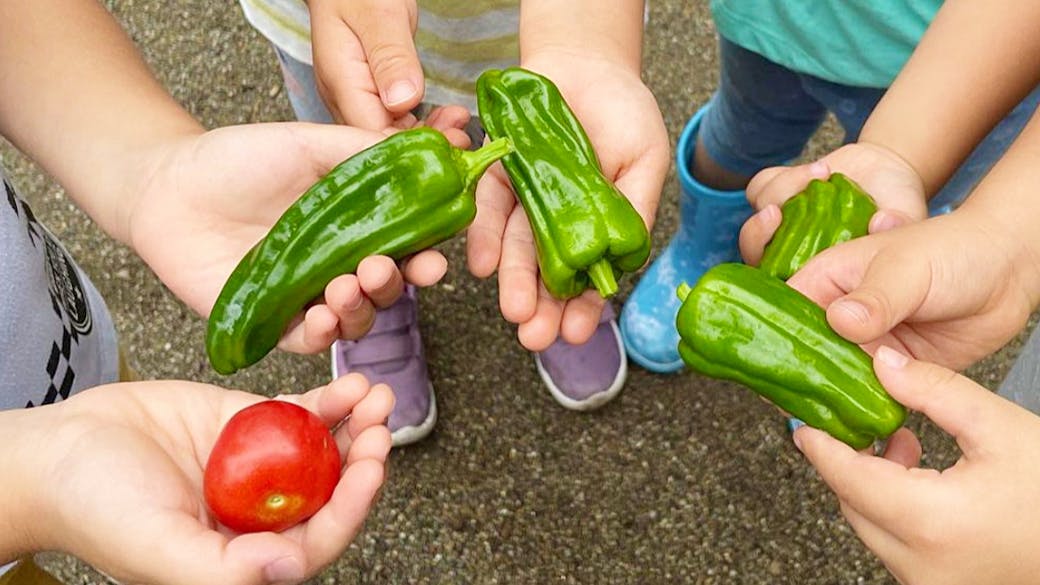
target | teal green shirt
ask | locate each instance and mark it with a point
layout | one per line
(863, 43)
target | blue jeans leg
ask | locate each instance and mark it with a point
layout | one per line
(302, 90)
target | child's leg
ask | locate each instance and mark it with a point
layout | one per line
(760, 116)
(302, 90)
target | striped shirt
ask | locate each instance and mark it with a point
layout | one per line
(456, 41)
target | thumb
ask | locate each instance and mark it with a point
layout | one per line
(970, 413)
(191, 553)
(892, 288)
(385, 31)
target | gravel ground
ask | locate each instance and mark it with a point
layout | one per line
(680, 480)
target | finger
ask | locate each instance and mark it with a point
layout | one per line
(354, 312)
(495, 203)
(903, 448)
(892, 289)
(374, 443)
(457, 137)
(320, 328)
(643, 181)
(385, 30)
(380, 280)
(329, 532)
(518, 283)
(756, 233)
(538, 333)
(978, 419)
(334, 401)
(447, 117)
(888, 219)
(880, 490)
(581, 317)
(776, 185)
(425, 268)
(372, 411)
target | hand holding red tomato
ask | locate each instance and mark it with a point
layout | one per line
(274, 465)
(114, 476)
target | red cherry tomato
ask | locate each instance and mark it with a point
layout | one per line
(274, 465)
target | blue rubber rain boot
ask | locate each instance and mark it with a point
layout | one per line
(710, 222)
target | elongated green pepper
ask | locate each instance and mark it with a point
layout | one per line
(739, 323)
(585, 230)
(825, 213)
(401, 195)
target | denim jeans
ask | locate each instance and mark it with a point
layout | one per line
(763, 114)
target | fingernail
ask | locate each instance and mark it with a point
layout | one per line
(769, 214)
(819, 169)
(283, 570)
(854, 309)
(793, 424)
(356, 304)
(399, 92)
(884, 221)
(891, 357)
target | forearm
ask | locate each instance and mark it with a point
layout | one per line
(1006, 205)
(974, 63)
(611, 30)
(77, 97)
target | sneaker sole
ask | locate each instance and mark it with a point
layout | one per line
(413, 434)
(410, 434)
(598, 399)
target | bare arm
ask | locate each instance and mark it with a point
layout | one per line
(611, 30)
(974, 63)
(76, 96)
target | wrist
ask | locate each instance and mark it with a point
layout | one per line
(19, 461)
(140, 171)
(1012, 239)
(589, 30)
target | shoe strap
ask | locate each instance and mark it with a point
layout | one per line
(371, 350)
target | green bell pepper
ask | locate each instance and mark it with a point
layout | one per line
(399, 196)
(741, 324)
(825, 213)
(585, 230)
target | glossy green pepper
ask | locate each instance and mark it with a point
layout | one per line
(739, 323)
(585, 230)
(825, 213)
(401, 195)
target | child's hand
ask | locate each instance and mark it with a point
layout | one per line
(949, 290)
(365, 63)
(366, 66)
(114, 477)
(206, 200)
(632, 145)
(891, 181)
(976, 523)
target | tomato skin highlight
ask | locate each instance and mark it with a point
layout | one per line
(273, 466)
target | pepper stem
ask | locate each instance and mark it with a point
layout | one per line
(602, 275)
(475, 162)
(683, 291)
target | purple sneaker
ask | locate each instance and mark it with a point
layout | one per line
(587, 376)
(392, 353)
